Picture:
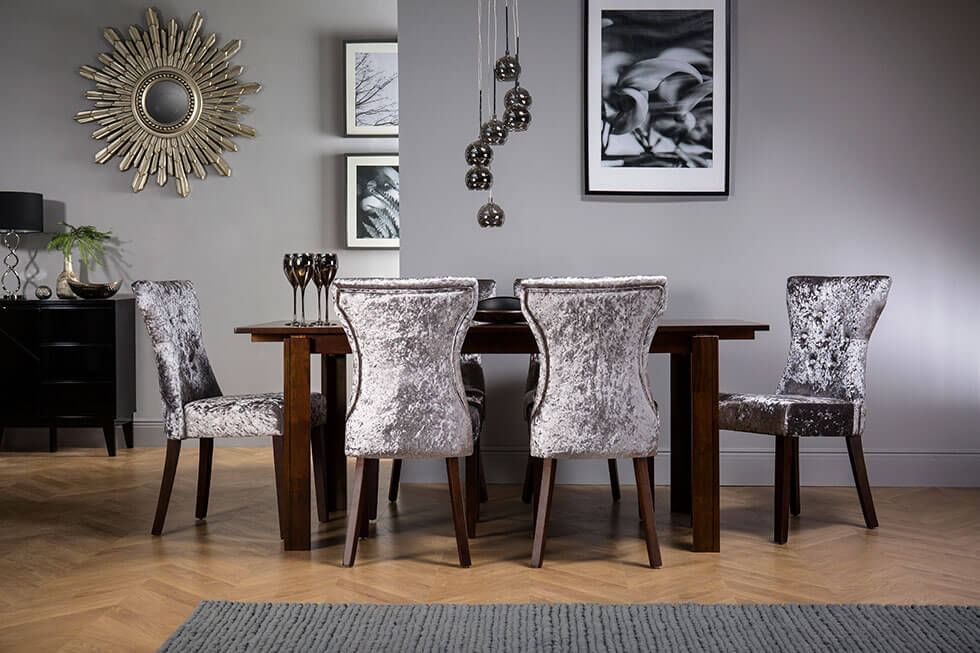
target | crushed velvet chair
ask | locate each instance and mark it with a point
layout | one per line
(476, 390)
(407, 398)
(193, 406)
(822, 390)
(593, 398)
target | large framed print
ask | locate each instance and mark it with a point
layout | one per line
(371, 88)
(373, 201)
(657, 97)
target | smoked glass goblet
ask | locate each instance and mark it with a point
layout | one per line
(288, 268)
(324, 271)
(303, 269)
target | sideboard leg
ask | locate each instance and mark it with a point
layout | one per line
(109, 431)
(53, 439)
(127, 428)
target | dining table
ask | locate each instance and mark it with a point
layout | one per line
(694, 452)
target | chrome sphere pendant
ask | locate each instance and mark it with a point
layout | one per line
(490, 215)
(507, 68)
(493, 132)
(517, 119)
(479, 178)
(517, 97)
(479, 153)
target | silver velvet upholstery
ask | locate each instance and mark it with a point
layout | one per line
(408, 398)
(592, 398)
(822, 390)
(193, 406)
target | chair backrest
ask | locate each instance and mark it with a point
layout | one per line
(593, 398)
(831, 320)
(173, 320)
(487, 288)
(407, 399)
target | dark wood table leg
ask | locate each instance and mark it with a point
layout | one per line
(705, 499)
(334, 387)
(680, 433)
(296, 442)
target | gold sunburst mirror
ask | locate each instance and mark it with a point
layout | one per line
(167, 101)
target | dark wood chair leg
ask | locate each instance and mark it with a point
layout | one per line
(855, 451)
(481, 474)
(396, 477)
(537, 468)
(784, 463)
(109, 431)
(355, 514)
(644, 493)
(53, 439)
(527, 492)
(166, 485)
(794, 479)
(278, 453)
(204, 476)
(614, 480)
(547, 491)
(472, 493)
(371, 468)
(318, 446)
(459, 519)
(127, 428)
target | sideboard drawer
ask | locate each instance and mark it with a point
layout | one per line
(84, 325)
(77, 363)
(65, 399)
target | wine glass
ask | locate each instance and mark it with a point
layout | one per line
(324, 271)
(303, 269)
(289, 269)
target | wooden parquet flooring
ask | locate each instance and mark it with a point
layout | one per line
(79, 570)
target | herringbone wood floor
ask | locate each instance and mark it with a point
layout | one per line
(79, 570)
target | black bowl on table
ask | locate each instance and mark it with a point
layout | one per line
(500, 310)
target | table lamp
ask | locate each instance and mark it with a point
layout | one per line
(19, 213)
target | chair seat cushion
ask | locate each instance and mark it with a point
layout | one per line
(789, 415)
(242, 416)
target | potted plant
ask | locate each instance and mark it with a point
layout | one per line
(91, 248)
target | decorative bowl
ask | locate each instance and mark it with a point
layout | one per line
(94, 290)
(501, 310)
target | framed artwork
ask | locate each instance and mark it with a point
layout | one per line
(371, 95)
(657, 97)
(373, 219)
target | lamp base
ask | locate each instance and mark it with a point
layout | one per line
(11, 240)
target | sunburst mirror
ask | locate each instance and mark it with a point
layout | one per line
(167, 101)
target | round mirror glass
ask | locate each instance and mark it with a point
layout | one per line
(167, 102)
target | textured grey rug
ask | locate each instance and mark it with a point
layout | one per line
(227, 626)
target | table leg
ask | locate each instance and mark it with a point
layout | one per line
(680, 433)
(334, 386)
(296, 442)
(705, 500)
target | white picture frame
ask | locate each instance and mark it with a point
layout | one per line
(373, 220)
(371, 88)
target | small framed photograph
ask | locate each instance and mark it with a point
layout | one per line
(657, 97)
(373, 219)
(371, 96)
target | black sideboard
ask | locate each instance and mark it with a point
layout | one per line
(69, 363)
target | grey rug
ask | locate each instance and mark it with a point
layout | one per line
(228, 626)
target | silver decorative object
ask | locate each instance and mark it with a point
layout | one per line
(491, 215)
(517, 119)
(507, 68)
(479, 178)
(493, 132)
(479, 153)
(42, 292)
(517, 97)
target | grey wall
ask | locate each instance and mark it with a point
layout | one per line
(854, 144)
(286, 192)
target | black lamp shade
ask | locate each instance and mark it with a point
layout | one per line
(22, 212)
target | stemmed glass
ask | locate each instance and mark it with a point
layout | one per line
(303, 269)
(324, 271)
(289, 269)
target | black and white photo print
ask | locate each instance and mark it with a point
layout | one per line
(657, 97)
(373, 201)
(371, 89)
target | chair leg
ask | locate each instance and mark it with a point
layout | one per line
(614, 480)
(794, 479)
(459, 519)
(355, 514)
(371, 468)
(396, 476)
(537, 467)
(784, 462)
(855, 451)
(481, 472)
(320, 476)
(547, 490)
(277, 460)
(204, 476)
(166, 485)
(109, 432)
(472, 493)
(644, 493)
(527, 492)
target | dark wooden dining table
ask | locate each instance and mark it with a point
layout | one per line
(694, 452)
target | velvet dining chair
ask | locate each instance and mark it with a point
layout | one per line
(407, 399)
(822, 391)
(593, 398)
(193, 406)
